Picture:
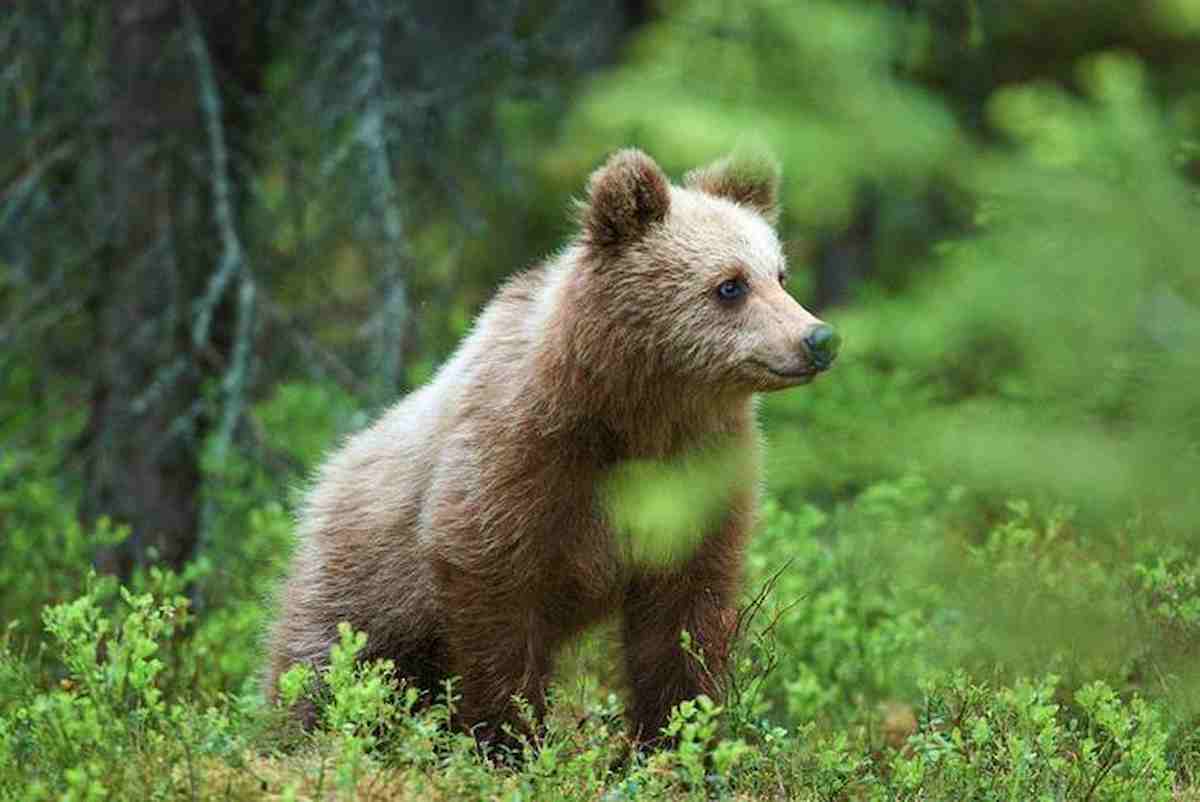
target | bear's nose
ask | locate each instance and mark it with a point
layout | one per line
(822, 344)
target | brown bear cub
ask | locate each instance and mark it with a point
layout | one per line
(467, 531)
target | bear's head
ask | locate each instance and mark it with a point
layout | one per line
(691, 277)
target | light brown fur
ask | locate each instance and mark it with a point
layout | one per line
(465, 530)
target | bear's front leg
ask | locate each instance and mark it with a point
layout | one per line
(697, 596)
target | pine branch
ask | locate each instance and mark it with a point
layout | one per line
(232, 265)
(389, 325)
(232, 259)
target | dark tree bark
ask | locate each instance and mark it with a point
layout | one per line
(847, 259)
(140, 467)
(163, 314)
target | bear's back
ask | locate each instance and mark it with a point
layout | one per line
(376, 482)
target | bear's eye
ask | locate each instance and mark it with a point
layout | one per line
(731, 289)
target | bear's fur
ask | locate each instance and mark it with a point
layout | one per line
(465, 531)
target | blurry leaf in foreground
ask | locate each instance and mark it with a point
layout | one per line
(662, 509)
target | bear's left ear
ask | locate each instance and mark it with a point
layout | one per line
(625, 197)
(747, 179)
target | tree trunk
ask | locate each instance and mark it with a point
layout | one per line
(153, 360)
(847, 258)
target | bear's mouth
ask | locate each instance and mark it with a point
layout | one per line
(800, 376)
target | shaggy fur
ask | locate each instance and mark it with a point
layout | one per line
(465, 530)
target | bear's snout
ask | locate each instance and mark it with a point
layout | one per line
(822, 344)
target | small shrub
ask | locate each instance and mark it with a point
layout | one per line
(1020, 742)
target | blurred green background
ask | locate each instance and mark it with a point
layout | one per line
(231, 232)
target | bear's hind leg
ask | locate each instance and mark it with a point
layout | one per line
(499, 652)
(425, 665)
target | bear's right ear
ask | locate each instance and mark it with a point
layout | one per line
(625, 197)
(748, 178)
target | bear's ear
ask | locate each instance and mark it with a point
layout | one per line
(747, 179)
(625, 197)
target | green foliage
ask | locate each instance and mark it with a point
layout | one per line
(1049, 359)
(660, 509)
(45, 553)
(710, 74)
(122, 717)
(975, 742)
(233, 585)
(845, 629)
(300, 420)
(106, 729)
